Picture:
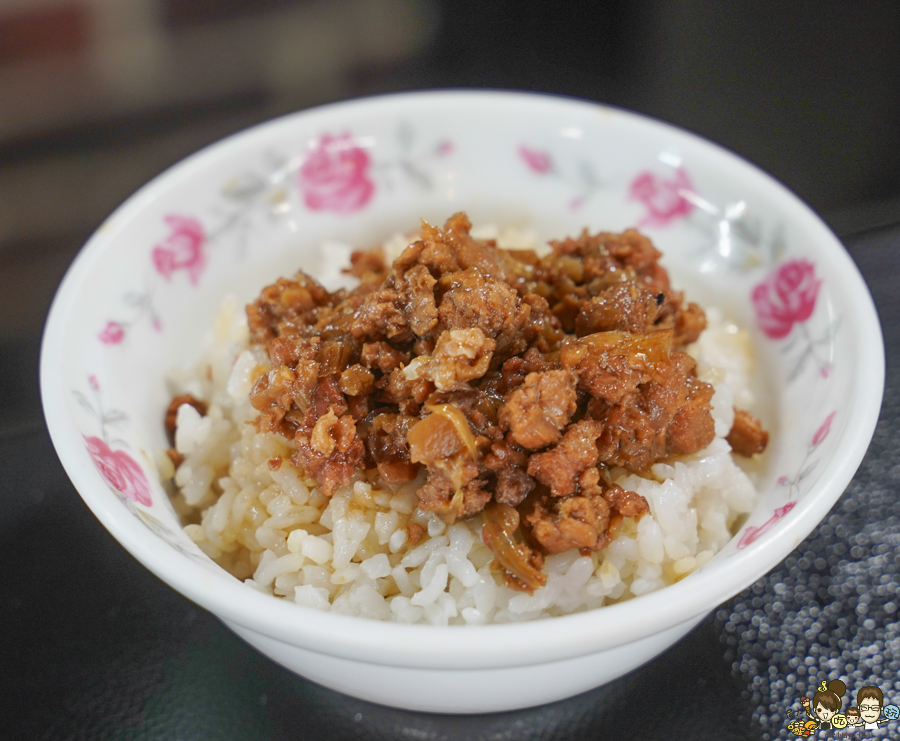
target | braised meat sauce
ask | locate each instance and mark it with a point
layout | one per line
(510, 382)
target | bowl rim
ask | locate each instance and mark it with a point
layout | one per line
(465, 646)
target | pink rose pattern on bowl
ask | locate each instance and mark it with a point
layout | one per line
(338, 176)
(183, 249)
(120, 471)
(113, 333)
(787, 298)
(665, 198)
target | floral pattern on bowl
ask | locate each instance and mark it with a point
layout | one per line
(120, 469)
(729, 236)
(786, 299)
(665, 198)
(793, 487)
(580, 178)
(336, 176)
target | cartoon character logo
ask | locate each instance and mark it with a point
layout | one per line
(870, 701)
(802, 727)
(824, 710)
(826, 704)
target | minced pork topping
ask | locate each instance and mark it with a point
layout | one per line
(511, 382)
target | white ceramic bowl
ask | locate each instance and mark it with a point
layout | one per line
(145, 289)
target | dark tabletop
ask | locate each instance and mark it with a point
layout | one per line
(93, 646)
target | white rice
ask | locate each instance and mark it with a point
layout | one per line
(350, 553)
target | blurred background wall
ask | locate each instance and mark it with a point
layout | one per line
(98, 96)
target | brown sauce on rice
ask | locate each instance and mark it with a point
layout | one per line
(511, 382)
